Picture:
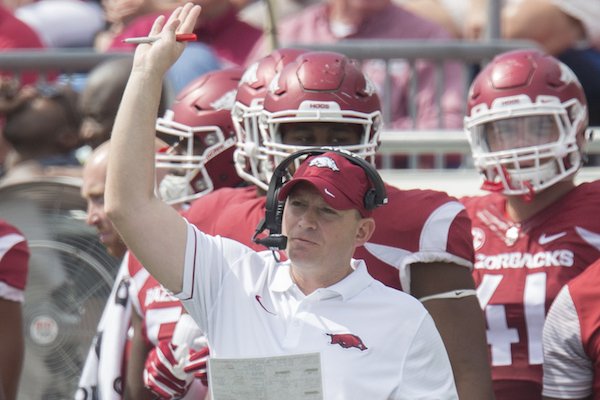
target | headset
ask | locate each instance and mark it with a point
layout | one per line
(374, 197)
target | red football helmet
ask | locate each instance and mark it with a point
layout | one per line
(526, 121)
(320, 87)
(201, 160)
(247, 108)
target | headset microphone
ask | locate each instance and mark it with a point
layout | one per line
(273, 242)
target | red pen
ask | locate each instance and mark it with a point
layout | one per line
(180, 37)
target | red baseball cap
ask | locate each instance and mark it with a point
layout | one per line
(341, 183)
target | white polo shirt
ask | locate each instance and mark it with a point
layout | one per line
(375, 342)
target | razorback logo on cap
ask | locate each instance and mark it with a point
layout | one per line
(347, 340)
(324, 162)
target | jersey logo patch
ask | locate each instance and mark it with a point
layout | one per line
(347, 340)
(545, 239)
(259, 300)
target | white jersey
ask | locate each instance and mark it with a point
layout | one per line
(374, 341)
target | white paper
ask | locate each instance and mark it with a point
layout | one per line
(291, 377)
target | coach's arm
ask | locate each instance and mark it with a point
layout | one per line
(152, 230)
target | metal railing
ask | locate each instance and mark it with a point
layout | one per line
(468, 54)
(410, 143)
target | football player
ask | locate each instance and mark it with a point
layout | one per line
(570, 340)
(14, 265)
(526, 121)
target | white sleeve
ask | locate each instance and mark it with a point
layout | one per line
(208, 260)
(426, 372)
(568, 371)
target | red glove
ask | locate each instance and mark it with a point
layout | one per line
(163, 372)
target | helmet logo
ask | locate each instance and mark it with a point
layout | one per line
(274, 84)
(225, 102)
(566, 74)
(249, 77)
(370, 88)
(309, 105)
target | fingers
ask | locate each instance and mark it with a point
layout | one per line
(189, 16)
(182, 19)
(157, 26)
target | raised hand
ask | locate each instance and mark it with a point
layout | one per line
(157, 57)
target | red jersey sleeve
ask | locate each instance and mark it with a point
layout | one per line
(14, 262)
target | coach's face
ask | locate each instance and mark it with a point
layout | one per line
(320, 237)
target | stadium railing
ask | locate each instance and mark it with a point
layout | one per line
(411, 143)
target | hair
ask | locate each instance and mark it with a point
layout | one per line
(34, 131)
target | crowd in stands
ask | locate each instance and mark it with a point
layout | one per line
(51, 129)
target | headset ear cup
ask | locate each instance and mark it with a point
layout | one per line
(279, 214)
(278, 209)
(371, 199)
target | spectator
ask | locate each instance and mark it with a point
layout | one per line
(43, 131)
(527, 120)
(570, 340)
(345, 230)
(100, 100)
(15, 34)
(564, 29)
(335, 20)
(119, 13)
(63, 23)
(257, 12)
(436, 269)
(14, 265)
(11, 97)
(219, 27)
(198, 58)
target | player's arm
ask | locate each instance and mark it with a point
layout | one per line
(134, 382)
(459, 321)
(11, 348)
(152, 230)
(568, 370)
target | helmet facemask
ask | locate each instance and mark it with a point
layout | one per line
(271, 125)
(526, 120)
(526, 147)
(187, 177)
(248, 155)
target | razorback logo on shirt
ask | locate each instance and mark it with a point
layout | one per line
(542, 259)
(347, 340)
(158, 295)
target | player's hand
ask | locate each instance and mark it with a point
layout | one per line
(164, 371)
(196, 363)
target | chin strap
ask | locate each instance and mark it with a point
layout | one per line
(452, 294)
